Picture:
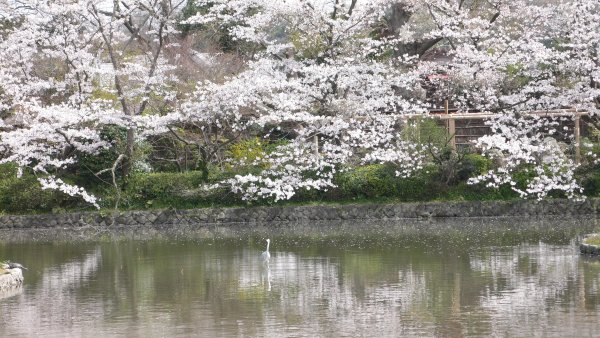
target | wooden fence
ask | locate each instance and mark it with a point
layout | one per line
(463, 128)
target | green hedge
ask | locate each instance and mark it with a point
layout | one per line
(380, 181)
(591, 185)
(24, 195)
(370, 183)
(166, 190)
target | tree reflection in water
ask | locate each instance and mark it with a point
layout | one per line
(414, 281)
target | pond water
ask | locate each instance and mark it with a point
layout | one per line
(442, 278)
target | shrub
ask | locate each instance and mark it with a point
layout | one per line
(21, 195)
(374, 180)
(380, 180)
(426, 131)
(473, 165)
(83, 171)
(591, 185)
(247, 151)
(167, 190)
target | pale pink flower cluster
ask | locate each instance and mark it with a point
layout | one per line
(322, 75)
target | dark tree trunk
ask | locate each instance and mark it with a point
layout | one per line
(129, 149)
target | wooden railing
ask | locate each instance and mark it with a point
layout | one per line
(450, 118)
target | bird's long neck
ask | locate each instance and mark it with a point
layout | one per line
(268, 243)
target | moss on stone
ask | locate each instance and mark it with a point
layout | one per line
(592, 240)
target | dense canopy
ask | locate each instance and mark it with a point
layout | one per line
(281, 96)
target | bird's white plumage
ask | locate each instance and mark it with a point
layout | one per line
(266, 256)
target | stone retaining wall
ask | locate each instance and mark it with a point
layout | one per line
(307, 213)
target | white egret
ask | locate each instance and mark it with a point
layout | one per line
(266, 256)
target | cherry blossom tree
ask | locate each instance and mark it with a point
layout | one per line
(46, 82)
(334, 82)
(332, 79)
(70, 68)
(522, 57)
(521, 144)
(327, 81)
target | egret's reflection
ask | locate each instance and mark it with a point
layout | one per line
(265, 276)
(308, 288)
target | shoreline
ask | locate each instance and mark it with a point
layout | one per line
(307, 213)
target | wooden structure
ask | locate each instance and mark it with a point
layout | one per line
(464, 127)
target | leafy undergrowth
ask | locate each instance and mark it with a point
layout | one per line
(375, 184)
(592, 240)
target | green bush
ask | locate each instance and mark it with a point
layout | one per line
(247, 151)
(473, 165)
(8, 171)
(374, 180)
(591, 185)
(588, 174)
(371, 183)
(479, 192)
(380, 181)
(82, 172)
(166, 190)
(426, 131)
(22, 195)
(155, 185)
